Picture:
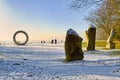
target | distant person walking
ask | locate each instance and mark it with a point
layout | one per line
(52, 41)
(55, 41)
(43, 41)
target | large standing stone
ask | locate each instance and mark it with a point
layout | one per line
(73, 46)
(110, 44)
(91, 38)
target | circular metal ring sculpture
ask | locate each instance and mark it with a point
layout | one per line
(18, 43)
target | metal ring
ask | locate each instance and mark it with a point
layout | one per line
(18, 43)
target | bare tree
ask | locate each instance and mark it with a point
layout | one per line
(101, 34)
(79, 4)
(106, 17)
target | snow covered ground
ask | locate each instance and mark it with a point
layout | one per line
(46, 62)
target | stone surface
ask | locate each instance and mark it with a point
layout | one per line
(91, 38)
(73, 46)
(87, 39)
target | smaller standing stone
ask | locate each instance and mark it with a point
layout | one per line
(91, 38)
(87, 39)
(73, 46)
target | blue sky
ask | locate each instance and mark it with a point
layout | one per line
(41, 19)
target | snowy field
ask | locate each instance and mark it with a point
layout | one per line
(46, 62)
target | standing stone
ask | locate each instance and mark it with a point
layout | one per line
(91, 38)
(73, 46)
(110, 44)
(87, 39)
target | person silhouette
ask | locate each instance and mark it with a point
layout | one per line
(52, 41)
(55, 41)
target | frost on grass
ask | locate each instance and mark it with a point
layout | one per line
(47, 63)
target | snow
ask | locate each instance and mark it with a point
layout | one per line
(71, 31)
(92, 26)
(46, 62)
